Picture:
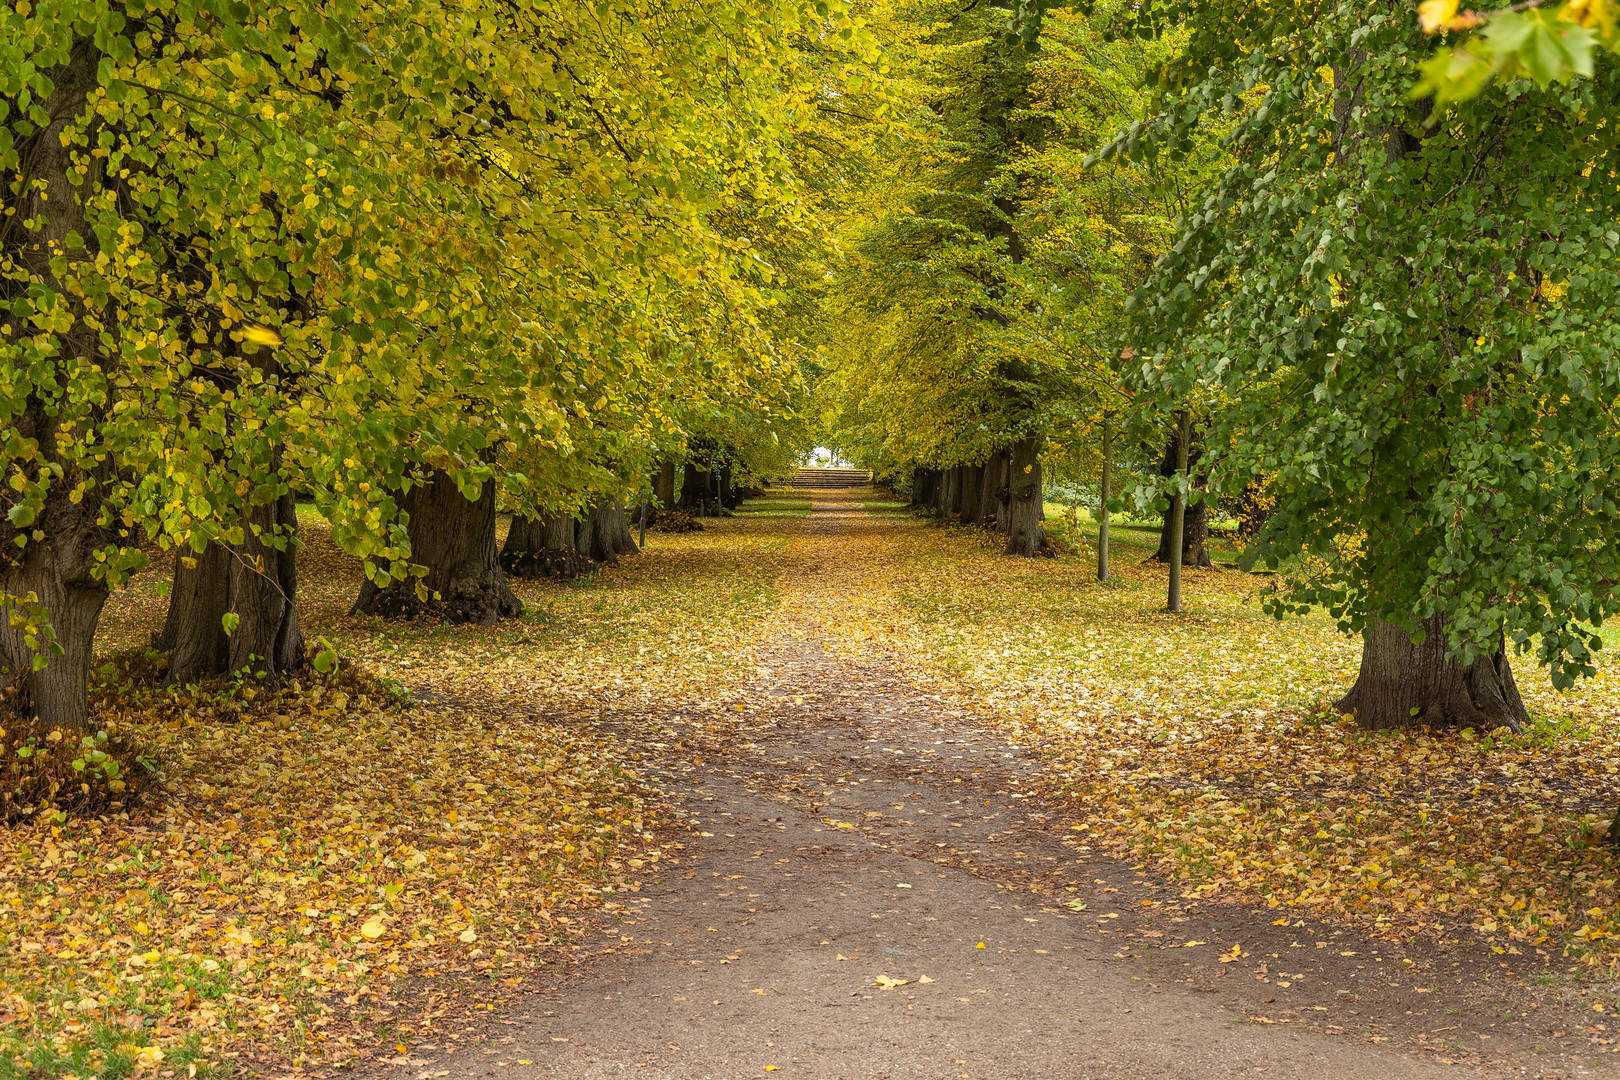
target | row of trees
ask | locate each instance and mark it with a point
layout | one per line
(1310, 247)
(405, 260)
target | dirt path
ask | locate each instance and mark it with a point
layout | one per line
(871, 887)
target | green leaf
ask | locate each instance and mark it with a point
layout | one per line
(230, 620)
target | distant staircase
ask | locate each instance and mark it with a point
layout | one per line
(832, 478)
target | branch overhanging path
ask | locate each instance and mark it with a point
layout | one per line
(871, 885)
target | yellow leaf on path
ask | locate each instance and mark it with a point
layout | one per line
(468, 935)
(888, 983)
(372, 929)
(524, 1061)
(771, 1068)
(924, 979)
(980, 945)
(1190, 944)
(761, 993)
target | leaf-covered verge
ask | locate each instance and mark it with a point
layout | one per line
(431, 818)
(1204, 744)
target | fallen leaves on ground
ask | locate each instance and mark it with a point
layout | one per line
(316, 859)
(1203, 742)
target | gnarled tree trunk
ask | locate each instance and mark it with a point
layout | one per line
(604, 534)
(455, 539)
(58, 570)
(1026, 508)
(543, 549)
(255, 582)
(1403, 685)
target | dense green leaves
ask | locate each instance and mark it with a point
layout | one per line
(1407, 321)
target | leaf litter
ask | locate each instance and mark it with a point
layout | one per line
(318, 855)
(341, 865)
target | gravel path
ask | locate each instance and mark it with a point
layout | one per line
(871, 887)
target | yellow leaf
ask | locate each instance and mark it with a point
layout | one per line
(924, 979)
(980, 945)
(888, 983)
(468, 935)
(1435, 14)
(262, 335)
(372, 929)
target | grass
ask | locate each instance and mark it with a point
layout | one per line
(1203, 743)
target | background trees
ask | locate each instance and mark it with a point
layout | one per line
(984, 294)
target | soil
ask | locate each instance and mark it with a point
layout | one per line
(873, 883)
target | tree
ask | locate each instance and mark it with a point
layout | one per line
(347, 249)
(985, 293)
(1409, 319)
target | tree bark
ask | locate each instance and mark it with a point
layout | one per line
(950, 493)
(1403, 685)
(695, 490)
(923, 485)
(604, 534)
(993, 493)
(454, 537)
(59, 570)
(1195, 524)
(1026, 509)
(727, 497)
(1178, 513)
(664, 485)
(543, 549)
(255, 582)
(972, 489)
(1102, 508)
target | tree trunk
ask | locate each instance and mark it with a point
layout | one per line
(1026, 508)
(950, 493)
(1178, 513)
(1195, 526)
(695, 490)
(993, 493)
(972, 489)
(543, 549)
(664, 485)
(455, 539)
(604, 534)
(923, 486)
(253, 581)
(58, 571)
(1404, 685)
(1102, 508)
